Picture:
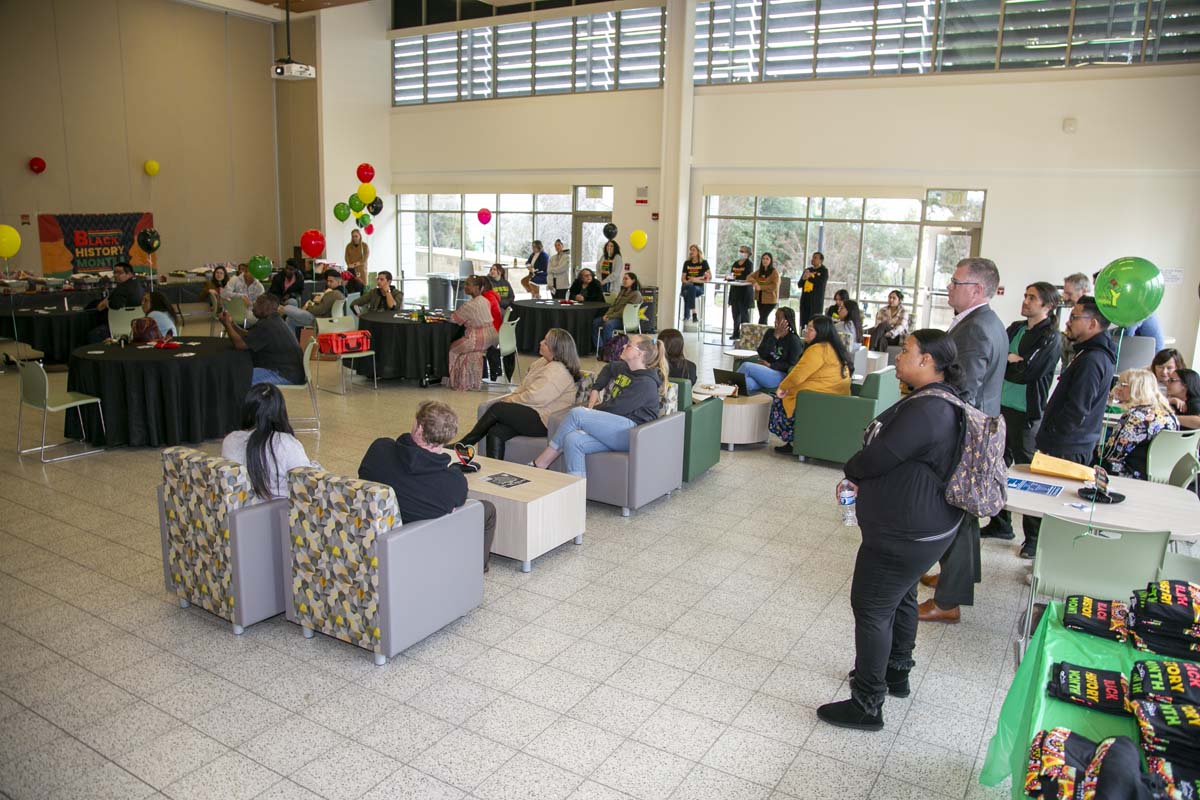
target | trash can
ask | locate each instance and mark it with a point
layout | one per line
(442, 287)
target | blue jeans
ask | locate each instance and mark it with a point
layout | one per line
(759, 376)
(586, 430)
(605, 330)
(297, 318)
(689, 292)
(261, 375)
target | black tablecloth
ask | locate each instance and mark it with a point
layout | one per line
(179, 292)
(539, 317)
(407, 349)
(55, 333)
(79, 297)
(157, 398)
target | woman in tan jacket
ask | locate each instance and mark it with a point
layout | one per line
(548, 387)
(766, 287)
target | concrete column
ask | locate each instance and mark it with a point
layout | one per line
(675, 175)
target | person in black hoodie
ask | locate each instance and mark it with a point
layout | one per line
(417, 467)
(778, 352)
(288, 285)
(626, 393)
(900, 479)
(1034, 350)
(1072, 421)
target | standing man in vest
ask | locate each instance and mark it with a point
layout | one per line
(982, 353)
(1071, 425)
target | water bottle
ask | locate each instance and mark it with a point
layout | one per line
(846, 497)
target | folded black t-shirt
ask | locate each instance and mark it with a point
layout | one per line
(1176, 603)
(1165, 681)
(1101, 689)
(1150, 640)
(1180, 783)
(1104, 618)
(1170, 731)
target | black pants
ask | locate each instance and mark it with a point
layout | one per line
(1018, 449)
(560, 294)
(879, 341)
(883, 595)
(741, 300)
(491, 362)
(961, 567)
(501, 422)
(1032, 525)
(764, 311)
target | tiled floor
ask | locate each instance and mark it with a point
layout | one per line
(678, 653)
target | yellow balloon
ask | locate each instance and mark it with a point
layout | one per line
(366, 193)
(10, 241)
(356, 214)
(638, 239)
(151, 167)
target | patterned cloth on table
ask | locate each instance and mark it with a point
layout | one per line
(199, 494)
(334, 522)
(467, 353)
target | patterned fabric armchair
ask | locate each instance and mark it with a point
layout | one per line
(752, 336)
(221, 548)
(360, 576)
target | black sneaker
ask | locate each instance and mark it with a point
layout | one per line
(1028, 550)
(785, 450)
(994, 531)
(849, 714)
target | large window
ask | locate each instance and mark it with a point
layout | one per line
(584, 53)
(772, 40)
(871, 244)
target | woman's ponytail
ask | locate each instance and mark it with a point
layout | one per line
(663, 371)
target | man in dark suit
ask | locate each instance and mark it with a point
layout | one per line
(982, 353)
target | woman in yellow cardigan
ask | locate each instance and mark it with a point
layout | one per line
(824, 367)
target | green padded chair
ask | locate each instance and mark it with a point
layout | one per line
(702, 431)
(1166, 450)
(1101, 562)
(120, 320)
(36, 393)
(830, 427)
(1179, 567)
(343, 325)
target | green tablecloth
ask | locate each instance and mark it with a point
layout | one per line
(1028, 708)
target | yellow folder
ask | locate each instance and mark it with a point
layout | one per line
(1061, 468)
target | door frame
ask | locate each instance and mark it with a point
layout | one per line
(578, 218)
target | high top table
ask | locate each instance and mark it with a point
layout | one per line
(1147, 507)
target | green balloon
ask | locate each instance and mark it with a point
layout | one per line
(356, 204)
(363, 220)
(342, 212)
(260, 267)
(1128, 290)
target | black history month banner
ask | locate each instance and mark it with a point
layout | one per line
(91, 242)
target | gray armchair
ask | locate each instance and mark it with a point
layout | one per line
(652, 468)
(219, 552)
(360, 576)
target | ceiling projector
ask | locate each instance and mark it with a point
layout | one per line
(291, 71)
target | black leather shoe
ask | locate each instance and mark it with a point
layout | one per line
(994, 531)
(1028, 550)
(785, 450)
(849, 714)
(897, 682)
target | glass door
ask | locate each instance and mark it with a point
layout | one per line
(941, 249)
(587, 239)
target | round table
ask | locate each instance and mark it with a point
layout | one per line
(158, 397)
(405, 348)
(56, 333)
(539, 316)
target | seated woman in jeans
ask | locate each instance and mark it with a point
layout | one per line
(635, 385)
(630, 295)
(777, 354)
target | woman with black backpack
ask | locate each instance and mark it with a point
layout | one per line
(900, 476)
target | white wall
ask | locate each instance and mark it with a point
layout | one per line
(1126, 183)
(354, 71)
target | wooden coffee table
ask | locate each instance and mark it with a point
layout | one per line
(535, 517)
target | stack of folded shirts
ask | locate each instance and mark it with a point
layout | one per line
(1165, 682)
(1099, 689)
(1066, 766)
(1170, 731)
(1104, 618)
(1165, 618)
(1179, 783)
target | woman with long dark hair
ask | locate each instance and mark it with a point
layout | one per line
(605, 325)
(891, 323)
(1183, 393)
(678, 365)
(265, 444)
(157, 307)
(766, 286)
(899, 477)
(848, 317)
(610, 265)
(215, 285)
(780, 349)
(825, 366)
(548, 387)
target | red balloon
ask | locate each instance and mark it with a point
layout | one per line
(369, 229)
(366, 173)
(312, 242)
(484, 216)
(37, 165)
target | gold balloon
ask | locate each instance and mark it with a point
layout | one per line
(366, 193)
(638, 239)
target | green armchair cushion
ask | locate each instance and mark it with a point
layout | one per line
(702, 431)
(830, 427)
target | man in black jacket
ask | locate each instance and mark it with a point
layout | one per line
(1072, 421)
(1033, 352)
(288, 284)
(127, 293)
(418, 469)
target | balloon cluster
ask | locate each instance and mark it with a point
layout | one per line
(363, 204)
